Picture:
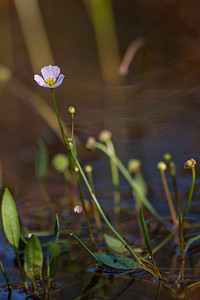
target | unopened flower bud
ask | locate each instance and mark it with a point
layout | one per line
(71, 110)
(134, 165)
(88, 168)
(105, 135)
(190, 163)
(69, 143)
(162, 166)
(76, 169)
(167, 157)
(91, 143)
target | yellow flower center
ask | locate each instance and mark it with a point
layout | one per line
(50, 81)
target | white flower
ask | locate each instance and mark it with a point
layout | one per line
(51, 77)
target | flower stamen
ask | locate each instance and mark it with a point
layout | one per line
(51, 81)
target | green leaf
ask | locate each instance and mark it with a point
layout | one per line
(56, 230)
(117, 261)
(33, 258)
(114, 244)
(41, 161)
(145, 232)
(10, 219)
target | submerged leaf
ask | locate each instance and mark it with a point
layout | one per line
(33, 258)
(10, 219)
(117, 261)
(114, 244)
(41, 161)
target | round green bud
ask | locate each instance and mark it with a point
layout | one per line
(134, 165)
(71, 110)
(162, 166)
(167, 157)
(105, 135)
(76, 169)
(91, 143)
(88, 168)
(60, 162)
(190, 163)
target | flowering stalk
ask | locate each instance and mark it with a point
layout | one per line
(83, 204)
(162, 167)
(88, 170)
(105, 136)
(180, 225)
(190, 164)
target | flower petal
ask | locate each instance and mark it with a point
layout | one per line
(50, 72)
(59, 81)
(40, 81)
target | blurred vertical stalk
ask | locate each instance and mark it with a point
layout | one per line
(101, 14)
(34, 33)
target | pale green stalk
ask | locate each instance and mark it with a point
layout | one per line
(190, 194)
(130, 180)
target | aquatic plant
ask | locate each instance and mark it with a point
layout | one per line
(39, 265)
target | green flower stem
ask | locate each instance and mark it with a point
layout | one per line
(190, 194)
(5, 275)
(169, 199)
(76, 163)
(130, 180)
(84, 208)
(86, 248)
(58, 118)
(20, 268)
(180, 225)
(115, 176)
(96, 212)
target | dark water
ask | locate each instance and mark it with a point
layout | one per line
(153, 110)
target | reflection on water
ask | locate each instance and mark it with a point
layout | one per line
(155, 109)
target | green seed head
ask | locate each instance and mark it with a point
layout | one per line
(88, 168)
(167, 157)
(190, 163)
(91, 143)
(105, 135)
(71, 110)
(162, 166)
(134, 165)
(60, 162)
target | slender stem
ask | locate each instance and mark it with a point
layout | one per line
(190, 194)
(130, 180)
(96, 212)
(169, 199)
(86, 248)
(180, 225)
(20, 268)
(72, 133)
(58, 118)
(5, 276)
(84, 208)
(115, 176)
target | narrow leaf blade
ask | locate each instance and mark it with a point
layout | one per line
(10, 219)
(33, 258)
